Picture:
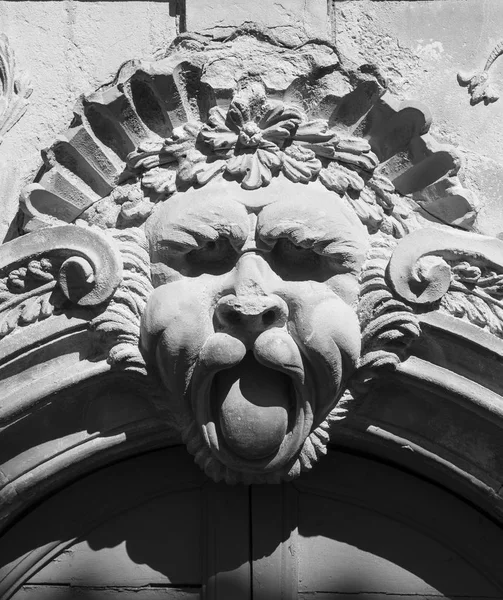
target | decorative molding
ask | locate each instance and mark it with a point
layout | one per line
(479, 86)
(162, 126)
(247, 225)
(120, 321)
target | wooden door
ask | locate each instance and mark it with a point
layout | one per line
(153, 527)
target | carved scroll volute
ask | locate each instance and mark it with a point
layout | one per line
(91, 269)
(419, 271)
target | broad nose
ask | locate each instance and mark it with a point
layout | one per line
(252, 307)
(251, 314)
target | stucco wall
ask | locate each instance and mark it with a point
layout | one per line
(69, 47)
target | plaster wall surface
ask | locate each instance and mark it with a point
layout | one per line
(420, 47)
(70, 47)
(67, 49)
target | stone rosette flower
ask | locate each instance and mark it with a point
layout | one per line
(255, 139)
(249, 109)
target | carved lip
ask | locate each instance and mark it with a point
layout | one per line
(208, 419)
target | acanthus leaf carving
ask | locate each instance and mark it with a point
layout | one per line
(15, 89)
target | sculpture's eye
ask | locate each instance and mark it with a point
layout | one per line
(296, 262)
(214, 256)
(319, 262)
(287, 252)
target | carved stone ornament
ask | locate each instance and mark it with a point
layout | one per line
(14, 89)
(255, 194)
(478, 84)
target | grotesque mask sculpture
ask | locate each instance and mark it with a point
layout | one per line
(247, 187)
(253, 326)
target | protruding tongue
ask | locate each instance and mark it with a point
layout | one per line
(253, 402)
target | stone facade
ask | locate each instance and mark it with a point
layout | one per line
(266, 234)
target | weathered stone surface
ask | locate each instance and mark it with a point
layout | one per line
(292, 21)
(254, 299)
(420, 47)
(67, 48)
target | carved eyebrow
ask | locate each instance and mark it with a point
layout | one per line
(190, 225)
(325, 232)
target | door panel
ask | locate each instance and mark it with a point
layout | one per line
(154, 527)
(274, 542)
(150, 527)
(227, 549)
(346, 549)
(136, 548)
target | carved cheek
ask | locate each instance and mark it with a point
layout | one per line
(175, 325)
(328, 332)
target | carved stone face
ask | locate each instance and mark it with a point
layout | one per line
(252, 326)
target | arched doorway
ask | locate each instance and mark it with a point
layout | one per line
(154, 527)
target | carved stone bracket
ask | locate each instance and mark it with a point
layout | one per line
(82, 263)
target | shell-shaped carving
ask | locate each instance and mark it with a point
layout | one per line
(200, 111)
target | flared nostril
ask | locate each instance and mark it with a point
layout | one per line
(269, 317)
(231, 317)
(249, 315)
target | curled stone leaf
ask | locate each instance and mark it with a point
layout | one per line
(14, 89)
(384, 191)
(300, 164)
(352, 144)
(369, 213)
(339, 179)
(466, 272)
(160, 180)
(315, 131)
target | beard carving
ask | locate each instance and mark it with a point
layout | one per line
(252, 327)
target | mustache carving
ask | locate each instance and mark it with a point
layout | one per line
(274, 348)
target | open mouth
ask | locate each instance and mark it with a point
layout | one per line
(253, 408)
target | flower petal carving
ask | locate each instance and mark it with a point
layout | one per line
(216, 133)
(256, 168)
(160, 180)
(313, 132)
(279, 122)
(300, 164)
(339, 179)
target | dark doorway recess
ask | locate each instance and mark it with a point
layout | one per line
(154, 527)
